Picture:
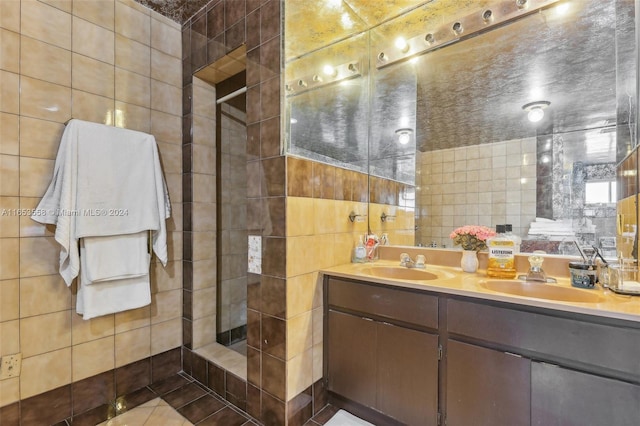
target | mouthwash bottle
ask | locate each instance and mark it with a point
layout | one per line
(508, 230)
(502, 262)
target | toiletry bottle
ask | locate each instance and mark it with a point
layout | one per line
(359, 252)
(501, 255)
(508, 228)
(372, 247)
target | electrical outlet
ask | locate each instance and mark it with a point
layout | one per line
(10, 366)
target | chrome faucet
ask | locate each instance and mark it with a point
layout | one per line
(407, 262)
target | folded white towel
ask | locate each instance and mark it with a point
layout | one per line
(115, 257)
(108, 297)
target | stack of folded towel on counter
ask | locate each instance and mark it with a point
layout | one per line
(107, 197)
(551, 229)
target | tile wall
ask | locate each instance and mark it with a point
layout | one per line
(498, 178)
(107, 61)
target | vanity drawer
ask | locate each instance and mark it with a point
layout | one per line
(610, 348)
(403, 305)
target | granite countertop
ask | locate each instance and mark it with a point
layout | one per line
(451, 280)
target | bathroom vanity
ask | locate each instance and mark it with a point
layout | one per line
(447, 351)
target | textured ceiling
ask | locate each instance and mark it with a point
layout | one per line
(177, 10)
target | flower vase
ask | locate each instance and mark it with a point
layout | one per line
(469, 261)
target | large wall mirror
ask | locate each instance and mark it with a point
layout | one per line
(518, 119)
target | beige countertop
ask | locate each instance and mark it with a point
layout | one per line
(451, 280)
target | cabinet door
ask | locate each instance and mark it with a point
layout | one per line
(407, 375)
(486, 387)
(352, 357)
(565, 397)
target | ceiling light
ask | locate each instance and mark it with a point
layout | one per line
(329, 70)
(404, 136)
(536, 110)
(402, 45)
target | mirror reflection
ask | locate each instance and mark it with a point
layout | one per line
(523, 123)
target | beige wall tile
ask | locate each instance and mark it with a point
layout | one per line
(93, 76)
(92, 358)
(317, 362)
(46, 23)
(171, 157)
(174, 223)
(300, 294)
(204, 99)
(166, 278)
(101, 12)
(10, 342)
(9, 92)
(132, 345)
(96, 328)
(10, 388)
(95, 108)
(64, 5)
(325, 216)
(166, 38)
(9, 134)
(45, 372)
(133, 23)
(133, 318)
(166, 335)
(133, 56)
(299, 373)
(204, 331)
(93, 40)
(133, 88)
(204, 159)
(43, 295)
(45, 62)
(300, 255)
(133, 117)
(204, 217)
(204, 245)
(204, 188)
(166, 98)
(28, 226)
(204, 274)
(166, 305)
(38, 256)
(40, 99)
(174, 245)
(9, 217)
(204, 302)
(39, 138)
(35, 176)
(9, 170)
(204, 131)
(300, 216)
(166, 127)
(174, 186)
(9, 51)
(10, 259)
(318, 317)
(166, 68)
(44, 333)
(299, 334)
(10, 17)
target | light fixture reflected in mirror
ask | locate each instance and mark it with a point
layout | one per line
(535, 110)
(404, 136)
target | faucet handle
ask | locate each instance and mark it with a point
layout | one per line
(420, 261)
(405, 259)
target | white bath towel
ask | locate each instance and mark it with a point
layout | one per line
(114, 257)
(108, 297)
(107, 181)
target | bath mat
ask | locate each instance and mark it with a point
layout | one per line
(344, 418)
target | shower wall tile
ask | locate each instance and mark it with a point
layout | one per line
(166, 37)
(133, 88)
(44, 61)
(133, 22)
(166, 127)
(10, 15)
(40, 99)
(93, 40)
(166, 98)
(90, 107)
(166, 68)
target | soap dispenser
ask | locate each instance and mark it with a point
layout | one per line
(359, 252)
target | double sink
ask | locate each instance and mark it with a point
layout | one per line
(536, 290)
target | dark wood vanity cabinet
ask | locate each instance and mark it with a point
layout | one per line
(501, 364)
(377, 357)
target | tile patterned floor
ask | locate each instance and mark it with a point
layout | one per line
(179, 401)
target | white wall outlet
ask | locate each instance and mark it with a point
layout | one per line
(10, 366)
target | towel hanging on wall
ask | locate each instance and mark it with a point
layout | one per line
(107, 182)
